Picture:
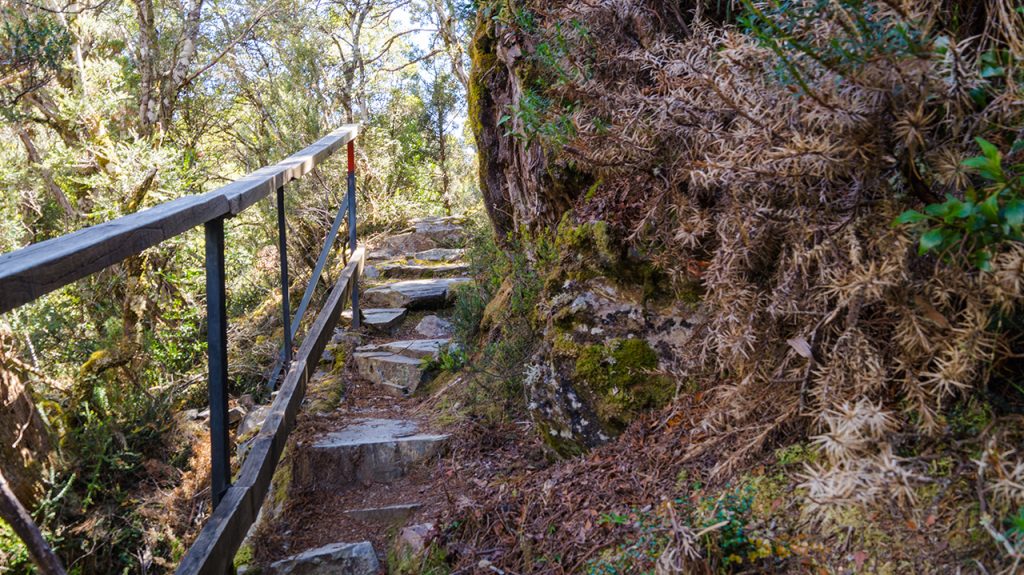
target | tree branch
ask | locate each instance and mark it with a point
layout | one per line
(15, 514)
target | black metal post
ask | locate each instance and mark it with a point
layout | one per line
(286, 308)
(217, 348)
(356, 319)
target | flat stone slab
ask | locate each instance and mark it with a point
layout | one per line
(441, 228)
(440, 255)
(413, 294)
(334, 559)
(400, 270)
(390, 515)
(435, 327)
(403, 244)
(367, 451)
(399, 375)
(414, 348)
(383, 319)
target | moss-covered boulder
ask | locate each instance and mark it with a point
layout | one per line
(605, 360)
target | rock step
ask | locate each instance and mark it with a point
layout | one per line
(433, 326)
(413, 294)
(402, 244)
(413, 348)
(440, 229)
(367, 451)
(334, 559)
(398, 366)
(394, 515)
(380, 319)
(396, 374)
(420, 271)
(439, 255)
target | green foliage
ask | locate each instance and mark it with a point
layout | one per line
(640, 552)
(32, 49)
(535, 118)
(788, 29)
(985, 218)
(13, 553)
(1015, 526)
(732, 512)
(450, 358)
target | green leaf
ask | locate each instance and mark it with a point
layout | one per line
(1013, 213)
(993, 72)
(931, 240)
(982, 259)
(910, 217)
(988, 149)
(990, 208)
(990, 169)
(1017, 146)
(979, 95)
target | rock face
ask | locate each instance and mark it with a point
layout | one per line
(598, 368)
(334, 559)
(368, 451)
(413, 294)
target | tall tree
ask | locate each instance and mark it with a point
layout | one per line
(164, 62)
(440, 108)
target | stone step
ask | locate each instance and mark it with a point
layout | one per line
(402, 244)
(413, 270)
(394, 515)
(433, 326)
(440, 255)
(440, 229)
(380, 319)
(413, 348)
(334, 559)
(368, 451)
(396, 374)
(413, 294)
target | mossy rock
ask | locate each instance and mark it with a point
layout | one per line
(592, 249)
(618, 375)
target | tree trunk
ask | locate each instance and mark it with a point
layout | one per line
(35, 159)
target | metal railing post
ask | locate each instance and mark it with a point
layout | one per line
(217, 349)
(286, 308)
(352, 236)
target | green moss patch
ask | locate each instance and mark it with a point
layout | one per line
(618, 375)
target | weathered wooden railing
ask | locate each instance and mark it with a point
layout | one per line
(31, 272)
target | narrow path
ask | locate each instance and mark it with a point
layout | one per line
(362, 474)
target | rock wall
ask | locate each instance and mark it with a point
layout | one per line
(610, 329)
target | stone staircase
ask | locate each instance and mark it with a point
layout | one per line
(368, 474)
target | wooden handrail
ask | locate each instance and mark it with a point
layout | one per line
(38, 269)
(214, 549)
